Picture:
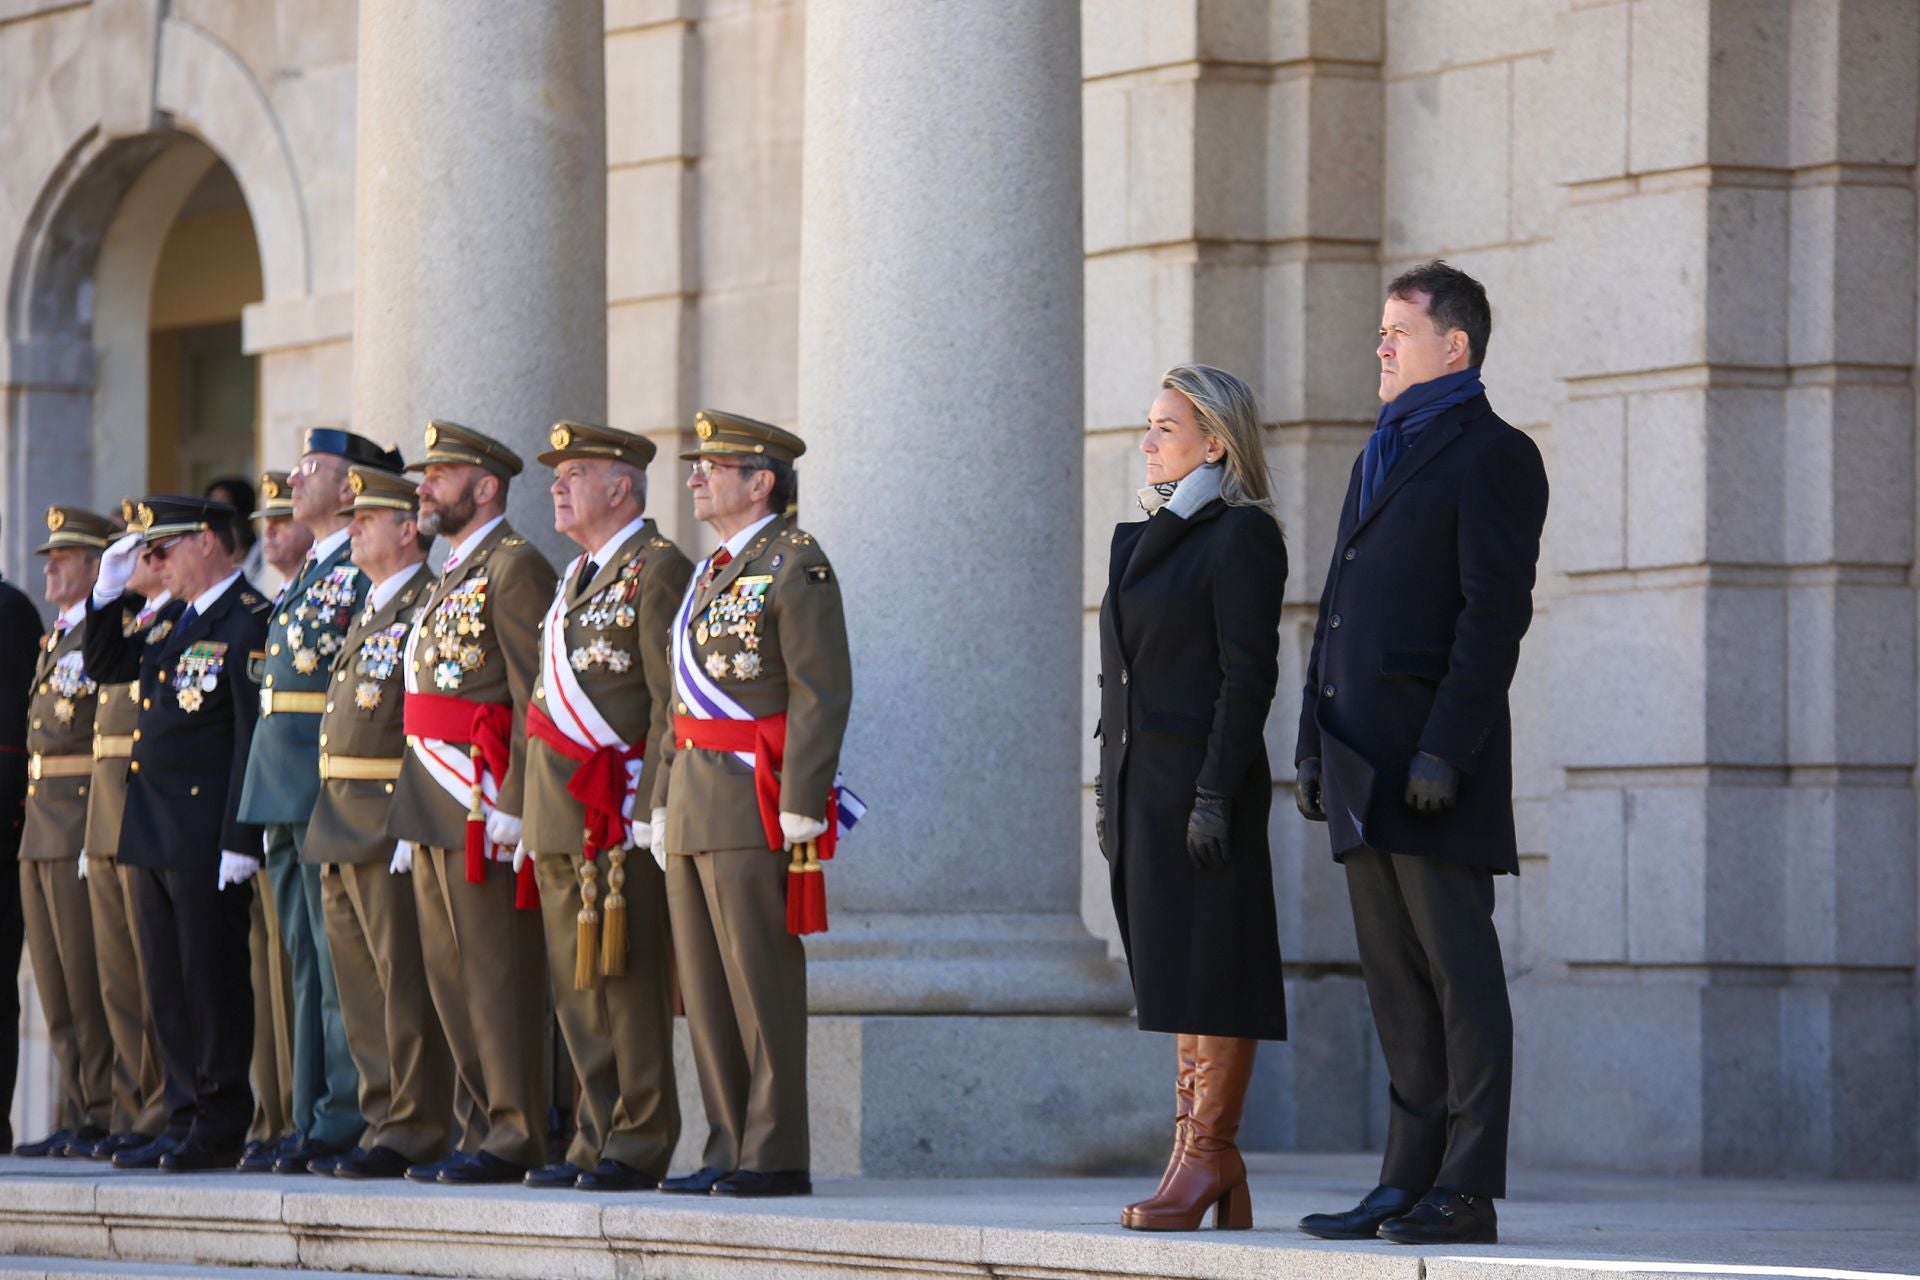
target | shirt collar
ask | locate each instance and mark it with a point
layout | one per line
(738, 542)
(211, 596)
(607, 549)
(389, 587)
(472, 540)
(73, 615)
(328, 545)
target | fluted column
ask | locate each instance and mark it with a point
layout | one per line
(480, 276)
(940, 394)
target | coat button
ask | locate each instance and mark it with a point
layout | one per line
(1123, 675)
(146, 704)
(1334, 621)
(1123, 737)
(136, 735)
(135, 766)
(329, 708)
(1100, 681)
(683, 708)
(193, 791)
(1351, 553)
(283, 619)
(36, 724)
(323, 739)
(274, 649)
(1327, 692)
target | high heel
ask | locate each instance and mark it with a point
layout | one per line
(1210, 1171)
(1186, 1071)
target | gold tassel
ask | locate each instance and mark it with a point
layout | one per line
(588, 944)
(613, 942)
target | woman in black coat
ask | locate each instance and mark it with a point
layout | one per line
(1189, 645)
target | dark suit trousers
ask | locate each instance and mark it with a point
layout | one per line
(1438, 989)
(193, 954)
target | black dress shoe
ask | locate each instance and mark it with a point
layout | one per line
(114, 1143)
(294, 1159)
(328, 1166)
(196, 1155)
(613, 1175)
(748, 1182)
(1445, 1217)
(146, 1155)
(55, 1141)
(1363, 1220)
(258, 1157)
(693, 1184)
(380, 1162)
(482, 1169)
(553, 1175)
(431, 1171)
(80, 1145)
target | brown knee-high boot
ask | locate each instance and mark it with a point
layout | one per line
(1186, 1068)
(1210, 1172)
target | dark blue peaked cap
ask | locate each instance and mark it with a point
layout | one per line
(356, 449)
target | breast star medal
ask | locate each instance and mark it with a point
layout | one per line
(63, 711)
(746, 666)
(366, 695)
(716, 665)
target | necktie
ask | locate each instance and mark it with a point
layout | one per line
(186, 619)
(587, 573)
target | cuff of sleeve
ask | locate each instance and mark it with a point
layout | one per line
(102, 600)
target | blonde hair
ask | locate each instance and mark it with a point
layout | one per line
(1228, 412)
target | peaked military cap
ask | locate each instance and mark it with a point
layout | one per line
(378, 489)
(355, 448)
(589, 440)
(729, 434)
(451, 442)
(276, 496)
(168, 515)
(75, 527)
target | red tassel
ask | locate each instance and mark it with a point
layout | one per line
(806, 892)
(476, 851)
(526, 891)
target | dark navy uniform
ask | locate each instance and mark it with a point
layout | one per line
(199, 702)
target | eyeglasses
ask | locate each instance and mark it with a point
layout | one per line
(311, 465)
(159, 551)
(705, 467)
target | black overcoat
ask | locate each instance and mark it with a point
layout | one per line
(1419, 632)
(19, 657)
(1189, 647)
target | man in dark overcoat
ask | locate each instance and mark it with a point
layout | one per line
(1405, 749)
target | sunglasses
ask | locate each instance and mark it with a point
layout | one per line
(159, 551)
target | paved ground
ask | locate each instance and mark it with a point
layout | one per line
(1558, 1224)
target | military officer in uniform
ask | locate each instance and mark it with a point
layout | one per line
(194, 858)
(601, 700)
(283, 781)
(471, 664)
(52, 893)
(139, 1106)
(283, 546)
(373, 926)
(761, 673)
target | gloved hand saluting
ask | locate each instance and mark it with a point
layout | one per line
(1432, 784)
(236, 868)
(1207, 829)
(117, 564)
(1308, 796)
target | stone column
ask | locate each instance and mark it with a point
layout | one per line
(940, 394)
(480, 289)
(1733, 876)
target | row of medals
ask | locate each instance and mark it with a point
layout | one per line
(380, 656)
(68, 680)
(456, 629)
(612, 607)
(735, 614)
(325, 605)
(198, 673)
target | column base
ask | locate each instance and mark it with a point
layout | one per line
(971, 1096)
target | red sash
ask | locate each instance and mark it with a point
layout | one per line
(766, 738)
(486, 730)
(600, 783)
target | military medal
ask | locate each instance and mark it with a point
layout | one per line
(746, 666)
(366, 695)
(159, 631)
(455, 628)
(716, 665)
(68, 681)
(63, 710)
(189, 698)
(306, 661)
(198, 673)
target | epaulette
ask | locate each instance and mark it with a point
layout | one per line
(798, 537)
(513, 540)
(661, 542)
(254, 602)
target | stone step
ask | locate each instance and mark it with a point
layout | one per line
(24, 1267)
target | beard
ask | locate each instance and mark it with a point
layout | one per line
(449, 518)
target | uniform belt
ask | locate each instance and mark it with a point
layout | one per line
(360, 768)
(283, 701)
(113, 746)
(59, 766)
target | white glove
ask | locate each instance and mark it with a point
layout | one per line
(799, 830)
(266, 844)
(236, 868)
(521, 856)
(83, 864)
(503, 829)
(658, 839)
(402, 859)
(640, 835)
(116, 568)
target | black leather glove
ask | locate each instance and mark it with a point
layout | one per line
(1307, 796)
(1207, 828)
(1432, 784)
(1100, 815)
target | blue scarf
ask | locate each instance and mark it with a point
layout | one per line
(1401, 421)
